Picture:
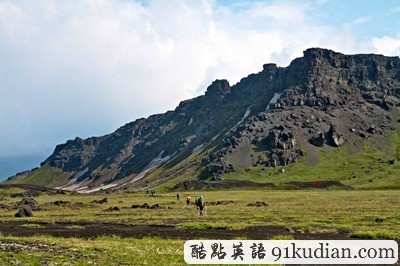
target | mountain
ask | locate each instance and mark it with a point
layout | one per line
(325, 117)
(9, 165)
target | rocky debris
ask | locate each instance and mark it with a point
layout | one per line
(146, 206)
(258, 204)
(3, 206)
(113, 209)
(221, 202)
(156, 206)
(32, 203)
(371, 130)
(26, 211)
(215, 170)
(318, 140)
(17, 195)
(60, 202)
(281, 147)
(25, 194)
(332, 138)
(102, 201)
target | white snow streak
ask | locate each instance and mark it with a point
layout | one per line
(246, 114)
(198, 148)
(190, 121)
(71, 185)
(273, 100)
(155, 162)
(99, 188)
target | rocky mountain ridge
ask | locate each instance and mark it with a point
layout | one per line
(269, 119)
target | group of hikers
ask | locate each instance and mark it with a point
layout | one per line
(199, 203)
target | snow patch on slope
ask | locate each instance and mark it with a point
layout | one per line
(273, 100)
(154, 163)
(71, 185)
(190, 121)
(198, 148)
(102, 186)
(246, 114)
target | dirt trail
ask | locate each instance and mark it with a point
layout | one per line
(92, 230)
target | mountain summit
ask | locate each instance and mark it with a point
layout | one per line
(298, 115)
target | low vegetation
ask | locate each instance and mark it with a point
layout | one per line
(320, 214)
(367, 168)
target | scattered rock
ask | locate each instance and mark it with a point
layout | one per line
(156, 206)
(147, 206)
(29, 202)
(17, 195)
(371, 130)
(220, 202)
(60, 202)
(113, 209)
(105, 200)
(26, 211)
(258, 204)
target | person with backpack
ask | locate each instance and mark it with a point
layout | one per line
(201, 204)
(188, 200)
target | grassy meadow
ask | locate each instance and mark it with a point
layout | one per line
(350, 213)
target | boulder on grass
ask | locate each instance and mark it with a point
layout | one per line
(26, 211)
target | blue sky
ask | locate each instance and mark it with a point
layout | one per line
(83, 68)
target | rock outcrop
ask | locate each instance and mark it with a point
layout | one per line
(322, 99)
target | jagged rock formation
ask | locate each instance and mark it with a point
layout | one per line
(321, 99)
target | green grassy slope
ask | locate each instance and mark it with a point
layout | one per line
(367, 169)
(44, 176)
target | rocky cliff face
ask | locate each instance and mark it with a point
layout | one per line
(270, 118)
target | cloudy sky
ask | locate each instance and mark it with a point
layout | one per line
(85, 67)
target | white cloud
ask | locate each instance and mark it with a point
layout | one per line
(386, 45)
(82, 68)
(395, 10)
(362, 20)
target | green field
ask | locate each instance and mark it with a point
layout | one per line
(319, 213)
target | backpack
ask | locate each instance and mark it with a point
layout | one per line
(200, 202)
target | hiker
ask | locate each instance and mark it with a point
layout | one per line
(147, 191)
(188, 199)
(178, 196)
(201, 204)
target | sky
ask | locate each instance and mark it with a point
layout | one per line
(86, 67)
